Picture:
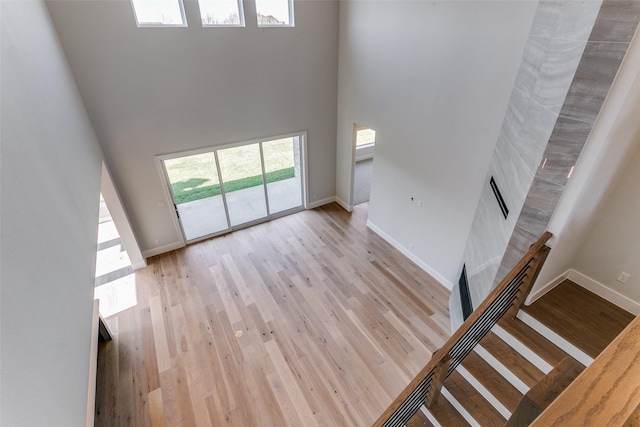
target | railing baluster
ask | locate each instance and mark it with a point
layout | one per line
(535, 266)
(506, 298)
(440, 373)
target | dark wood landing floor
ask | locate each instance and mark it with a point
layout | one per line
(581, 317)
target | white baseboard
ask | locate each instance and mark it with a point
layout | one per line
(177, 245)
(321, 202)
(603, 291)
(406, 252)
(537, 293)
(139, 265)
(589, 284)
(162, 249)
(346, 206)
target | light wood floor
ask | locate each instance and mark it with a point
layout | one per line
(311, 319)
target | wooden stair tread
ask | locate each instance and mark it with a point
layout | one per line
(514, 361)
(581, 317)
(419, 420)
(480, 409)
(544, 348)
(497, 385)
(546, 391)
(446, 415)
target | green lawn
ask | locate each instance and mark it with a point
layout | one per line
(195, 177)
(198, 188)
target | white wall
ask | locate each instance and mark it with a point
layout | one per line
(120, 219)
(613, 244)
(49, 195)
(433, 79)
(152, 91)
(613, 140)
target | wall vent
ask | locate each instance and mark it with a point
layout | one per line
(465, 297)
(501, 203)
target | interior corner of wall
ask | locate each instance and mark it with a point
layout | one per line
(346, 206)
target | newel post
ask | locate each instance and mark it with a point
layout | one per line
(535, 265)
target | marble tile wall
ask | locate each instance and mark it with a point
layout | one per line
(608, 42)
(558, 42)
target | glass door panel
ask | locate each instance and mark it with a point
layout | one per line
(196, 193)
(241, 169)
(283, 173)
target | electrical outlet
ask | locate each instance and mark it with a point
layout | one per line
(623, 277)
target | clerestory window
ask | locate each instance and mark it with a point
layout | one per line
(221, 13)
(274, 13)
(213, 13)
(159, 13)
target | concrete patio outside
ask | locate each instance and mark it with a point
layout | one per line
(207, 216)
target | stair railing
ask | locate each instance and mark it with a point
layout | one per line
(505, 299)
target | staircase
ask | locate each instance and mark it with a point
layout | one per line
(507, 363)
(487, 387)
(565, 330)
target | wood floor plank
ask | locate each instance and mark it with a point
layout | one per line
(156, 409)
(159, 336)
(516, 363)
(479, 408)
(446, 414)
(577, 323)
(497, 385)
(310, 319)
(419, 420)
(285, 374)
(533, 340)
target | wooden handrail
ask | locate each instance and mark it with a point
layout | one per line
(507, 297)
(607, 393)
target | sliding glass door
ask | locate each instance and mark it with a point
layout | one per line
(226, 188)
(283, 173)
(242, 178)
(197, 195)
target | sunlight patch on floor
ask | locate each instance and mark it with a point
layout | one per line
(107, 231)
(111, 259)
(117, 296)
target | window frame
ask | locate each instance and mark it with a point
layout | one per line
(139, 24)
(360, 128)
(304, 164)
(291, 23)
(242, 23)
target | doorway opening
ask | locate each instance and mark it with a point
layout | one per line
(217, 190)
(364, 142)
